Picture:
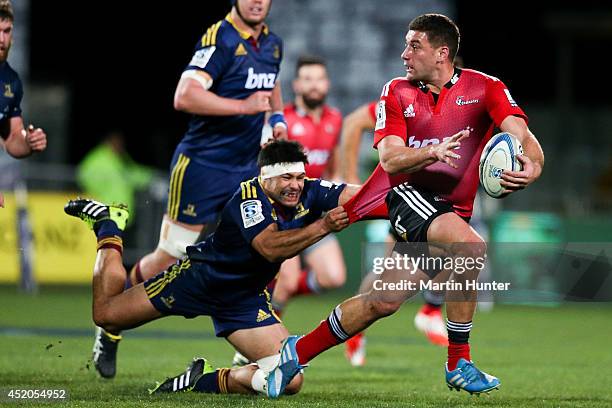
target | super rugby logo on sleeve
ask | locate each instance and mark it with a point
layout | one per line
(252, 213)
(201, 57)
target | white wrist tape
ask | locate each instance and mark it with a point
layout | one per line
(278, 169)
(193, 74)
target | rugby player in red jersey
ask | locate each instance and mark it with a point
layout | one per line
(428, 182)
(428, 319)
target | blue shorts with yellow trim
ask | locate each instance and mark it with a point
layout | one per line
(181, 291)
(198, 193)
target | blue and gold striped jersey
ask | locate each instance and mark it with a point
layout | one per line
(11, 92)
(239, 67)
(232, 268)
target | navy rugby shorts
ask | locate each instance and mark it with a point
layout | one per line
(411, 212)
(181, 291)
(198, 193)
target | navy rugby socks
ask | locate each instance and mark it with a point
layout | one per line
(109, 235)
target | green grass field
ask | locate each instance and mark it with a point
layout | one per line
(545, 357)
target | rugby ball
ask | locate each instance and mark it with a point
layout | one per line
(499, 154)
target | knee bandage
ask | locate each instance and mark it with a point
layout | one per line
(174, 238)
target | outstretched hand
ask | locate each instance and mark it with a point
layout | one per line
(444, 152)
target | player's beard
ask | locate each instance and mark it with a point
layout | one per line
(313, 103)
(4, 53)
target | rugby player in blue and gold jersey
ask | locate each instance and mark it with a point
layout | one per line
(269, 218)
(228, 87)
(18, 141)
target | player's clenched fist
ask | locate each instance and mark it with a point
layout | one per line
(336, 219)
(256, 103)
(35, 138)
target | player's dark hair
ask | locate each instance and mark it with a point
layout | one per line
(440, 30)
(281, 151)
(6, 10)
(308, 60)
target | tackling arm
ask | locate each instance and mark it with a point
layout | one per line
(276, 246)
(349, 191)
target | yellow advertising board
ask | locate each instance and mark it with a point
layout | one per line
(64, 249)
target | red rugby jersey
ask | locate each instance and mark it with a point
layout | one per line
(470, 100)
(319, 139)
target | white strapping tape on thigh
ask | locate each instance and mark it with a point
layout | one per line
(174, 239)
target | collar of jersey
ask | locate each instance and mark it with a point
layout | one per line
(264, 191)
(243, 34)
(456, 73)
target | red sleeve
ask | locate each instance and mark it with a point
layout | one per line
(389, 117)
(499, 102)
(372, 109)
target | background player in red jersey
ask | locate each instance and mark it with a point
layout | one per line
(429, 182)
(316, 126)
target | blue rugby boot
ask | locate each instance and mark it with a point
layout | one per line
(469, 378)
(287, 368)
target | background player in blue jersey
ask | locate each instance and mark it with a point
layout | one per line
(228, 87)
(270, 218)
(18, 141)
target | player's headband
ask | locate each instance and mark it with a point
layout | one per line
(274, 170)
